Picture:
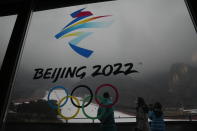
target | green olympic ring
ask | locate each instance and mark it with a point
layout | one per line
(83, 110)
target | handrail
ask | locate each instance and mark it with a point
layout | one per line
(165, 117)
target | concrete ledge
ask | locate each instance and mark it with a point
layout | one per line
(170, 126)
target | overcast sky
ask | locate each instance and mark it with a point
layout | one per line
(156, 33)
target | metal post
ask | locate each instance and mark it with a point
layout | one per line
(190, 116)
(9, 66)
(192, 11)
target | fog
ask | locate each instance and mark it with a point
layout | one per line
(151, 34)
(156, 33)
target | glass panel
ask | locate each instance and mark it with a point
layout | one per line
(141, 48)
(6, 27)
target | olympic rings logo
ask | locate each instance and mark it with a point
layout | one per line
(85, 102)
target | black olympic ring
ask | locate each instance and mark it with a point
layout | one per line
(82, 86)
(91, 95)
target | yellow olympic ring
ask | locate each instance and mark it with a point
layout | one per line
(59, 110)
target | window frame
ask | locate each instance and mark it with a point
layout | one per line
(24, 9)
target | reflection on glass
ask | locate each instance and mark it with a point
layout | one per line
(149, 51)
(6, 27)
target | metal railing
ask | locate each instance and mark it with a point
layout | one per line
(166, 118)
(93, 121)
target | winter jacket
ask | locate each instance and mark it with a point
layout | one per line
(106, 116)
(142, 120)
(157, 123)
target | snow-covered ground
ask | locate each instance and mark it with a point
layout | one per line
(68, 110)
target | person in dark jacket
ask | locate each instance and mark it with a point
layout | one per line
(106, 114)
(142, 115)
(156, 116)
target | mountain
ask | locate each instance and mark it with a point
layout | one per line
(25, 88)
(129, 89)
(183, 83)
(175, 88)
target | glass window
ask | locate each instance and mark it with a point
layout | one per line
(126, 48)
(6, 27)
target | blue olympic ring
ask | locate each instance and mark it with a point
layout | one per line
(48, 98)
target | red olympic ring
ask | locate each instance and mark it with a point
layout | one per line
(108, 85)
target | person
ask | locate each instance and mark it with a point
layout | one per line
(156, 116)
(150, 108)
(106, 114)
(142, 115)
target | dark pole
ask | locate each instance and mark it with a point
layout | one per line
(192, 8)
(8, 69)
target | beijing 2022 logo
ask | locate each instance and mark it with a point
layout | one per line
(82, 19)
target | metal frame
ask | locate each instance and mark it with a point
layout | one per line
(11, 58)
(192, 11)
(23, 9)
